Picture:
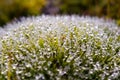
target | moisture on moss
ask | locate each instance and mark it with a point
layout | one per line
(60, 48)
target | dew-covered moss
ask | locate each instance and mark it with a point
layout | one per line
(60, 48)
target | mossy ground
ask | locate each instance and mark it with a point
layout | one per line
(60, 48)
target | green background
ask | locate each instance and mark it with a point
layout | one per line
(14, 9)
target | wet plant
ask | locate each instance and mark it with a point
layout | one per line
(60, 48)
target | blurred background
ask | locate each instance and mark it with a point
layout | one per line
(14, 9)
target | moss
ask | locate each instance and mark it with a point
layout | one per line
(60, 48)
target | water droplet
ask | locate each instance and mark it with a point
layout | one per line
(19, 72)
(28, 65)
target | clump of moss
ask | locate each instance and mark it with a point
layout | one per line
(60, 48)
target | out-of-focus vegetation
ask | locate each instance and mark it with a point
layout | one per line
(101, 8)
(10, 9)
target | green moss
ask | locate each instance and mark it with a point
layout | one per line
(70, 48)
